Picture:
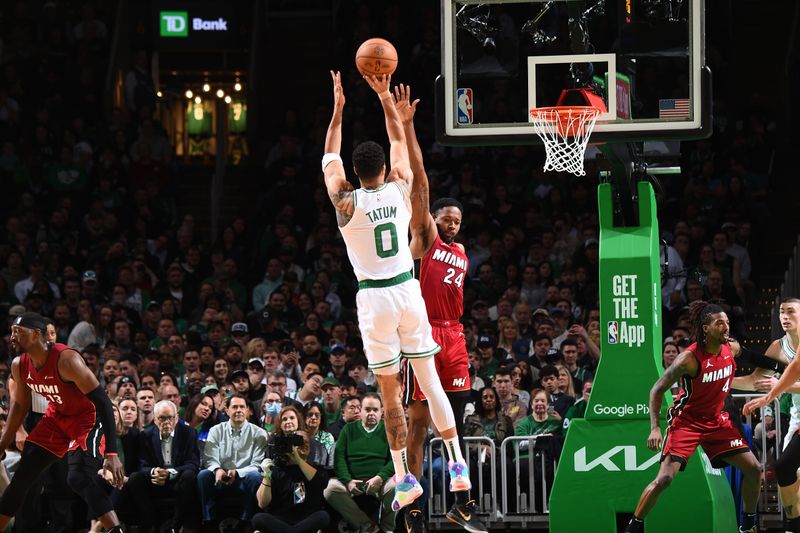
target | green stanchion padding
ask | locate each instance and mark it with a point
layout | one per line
(605, 463)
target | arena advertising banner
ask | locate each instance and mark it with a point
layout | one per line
(630, 315)
(606, 469)
(200, 25)
(605, 462)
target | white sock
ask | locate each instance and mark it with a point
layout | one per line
(454, 450)
(400, 463)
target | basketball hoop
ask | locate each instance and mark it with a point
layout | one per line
(565, 132)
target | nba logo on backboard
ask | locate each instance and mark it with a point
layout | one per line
(464, 105)
(613, 332)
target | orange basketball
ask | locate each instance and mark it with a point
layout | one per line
(376, 57)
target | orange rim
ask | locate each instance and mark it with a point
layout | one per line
(566, 117)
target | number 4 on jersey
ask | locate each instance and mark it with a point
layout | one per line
(448, 278)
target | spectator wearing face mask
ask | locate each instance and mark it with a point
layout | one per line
(270, 409)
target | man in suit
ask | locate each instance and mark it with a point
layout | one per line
(168, 465)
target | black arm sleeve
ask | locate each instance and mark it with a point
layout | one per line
(750, 358)
(105, 412)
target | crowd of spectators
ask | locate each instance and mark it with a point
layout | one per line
(212, 350)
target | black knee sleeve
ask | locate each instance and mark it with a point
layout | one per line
(458, 401)
(785, 472)
(787, 464)
(87, 485)
(34, 461)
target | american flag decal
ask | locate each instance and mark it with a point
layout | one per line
(673, 108)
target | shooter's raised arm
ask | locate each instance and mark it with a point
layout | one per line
(398, 152)
(339, 189)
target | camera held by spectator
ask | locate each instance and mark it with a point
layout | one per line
(280, 448)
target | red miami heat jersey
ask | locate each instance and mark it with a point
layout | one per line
(441, 280)
(701, 398)
(66, 399)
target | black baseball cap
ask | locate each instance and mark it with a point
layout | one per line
(484, 341)
(265, 316)
(287, 346)
(239, 374)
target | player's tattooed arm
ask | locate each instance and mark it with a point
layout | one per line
(684, 365)
(339, 189)
(342, 201)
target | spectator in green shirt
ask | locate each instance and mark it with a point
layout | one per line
(578, 409)
(541, 423)
(363, 465)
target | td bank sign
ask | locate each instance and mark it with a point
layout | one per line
(176, 24)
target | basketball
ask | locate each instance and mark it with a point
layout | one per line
(375, 57)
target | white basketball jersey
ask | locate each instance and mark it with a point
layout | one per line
(377, 234)
(790, 353)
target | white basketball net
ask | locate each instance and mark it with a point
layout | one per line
(565, 133)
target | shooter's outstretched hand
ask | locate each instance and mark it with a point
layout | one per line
(380, 84)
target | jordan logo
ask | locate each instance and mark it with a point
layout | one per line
(709, 364)
(29, 375)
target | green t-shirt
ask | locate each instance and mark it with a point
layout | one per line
(529, 426)
(332, 417)
(578, 410)
(490, 428)
(487, 371)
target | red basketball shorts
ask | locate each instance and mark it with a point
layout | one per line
(452, 362)
(61, 434)
(718, 442)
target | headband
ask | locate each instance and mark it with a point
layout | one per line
(31, 321)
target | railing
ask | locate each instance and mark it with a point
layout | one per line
(493, 502)
(486, 498)
(746, 397)
(508, 505)
(524, 510)
(790, 288)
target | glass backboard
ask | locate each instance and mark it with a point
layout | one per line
(644, 59)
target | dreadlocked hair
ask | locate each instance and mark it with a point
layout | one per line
(700, 313)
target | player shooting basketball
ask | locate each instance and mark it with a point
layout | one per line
(443, 269)
(706, 372)
(374, 221)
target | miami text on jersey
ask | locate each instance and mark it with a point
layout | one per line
(715, 375)
(449, 258)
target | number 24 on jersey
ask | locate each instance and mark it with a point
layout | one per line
(451, 273)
